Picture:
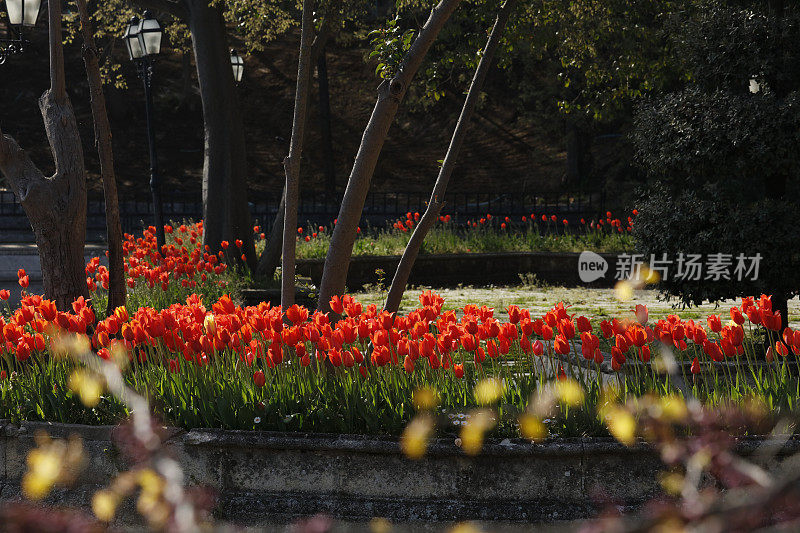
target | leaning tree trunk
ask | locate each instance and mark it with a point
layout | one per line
(436, 202)
(390, 95)
(102, 134)
(55, 205)
(271, 256)
(292, 162)
(226, 211)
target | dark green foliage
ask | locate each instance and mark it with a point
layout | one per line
(723, 161)
(724, 47)
(731, 140)
(700, 222)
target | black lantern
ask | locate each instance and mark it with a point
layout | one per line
(143, 41)
(21, 14)
(131, 39)
(237, 63)
(149, 35)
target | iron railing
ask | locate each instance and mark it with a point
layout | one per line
(320, 208)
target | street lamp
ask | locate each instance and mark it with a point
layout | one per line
(143, 41)
(237, 63)
(21, 14)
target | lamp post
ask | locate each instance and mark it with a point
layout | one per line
(21, 14)
(237, 63)
(143, 41)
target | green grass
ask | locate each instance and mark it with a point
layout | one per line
(446, 238)
(222, 393)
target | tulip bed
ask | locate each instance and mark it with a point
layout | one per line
(532, 233)
(206, 362)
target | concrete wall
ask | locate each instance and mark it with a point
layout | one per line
(447, 270)
(263, 477)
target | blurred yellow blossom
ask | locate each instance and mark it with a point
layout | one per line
(414, 440)
(621, 424)
(472, 433)
(88, 385)
(425, 399)
(488, 391)
(531, 427)
(569, 392)
(104, 504)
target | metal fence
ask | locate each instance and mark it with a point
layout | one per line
(318, 208)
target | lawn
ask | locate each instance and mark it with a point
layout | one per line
(486, 234)
(600, 303)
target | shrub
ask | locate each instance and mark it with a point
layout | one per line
(722, 161)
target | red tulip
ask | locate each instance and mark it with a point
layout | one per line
(642, 314)
(781, 349)
(561, 345)
(584, 325)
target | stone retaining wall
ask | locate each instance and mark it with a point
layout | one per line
(447, 270)
(267, 477)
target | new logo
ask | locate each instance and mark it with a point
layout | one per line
(591, 266)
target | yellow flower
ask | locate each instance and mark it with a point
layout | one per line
(673, 408)
(150, 481)
(623, 290)
(531, 427)
(488, 391)
(87, 385)
(622, 425)
(210, 325)
(104, 505)
(44, 469)
(425, 399)
(414, 440)
(472, 432)
(380, 525)
(465, 527)
(569, 392)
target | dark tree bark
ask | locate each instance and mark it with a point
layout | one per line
(578, 144)
(390, 95)
(102, 134)
(55, 205)
(271, 256)
(436, 201)
(292, 162)
(324, 103)
(226, 212)
(776, 184)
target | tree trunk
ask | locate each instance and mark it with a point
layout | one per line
(578, 152)
(226, 211)
(324, 102)
(437, 196)
(390, 95)
(775, 184)
(292, 161)
(102, 134)
(56, 205)
(271, 256)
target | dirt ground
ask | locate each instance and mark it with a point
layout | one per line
(590, 302)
